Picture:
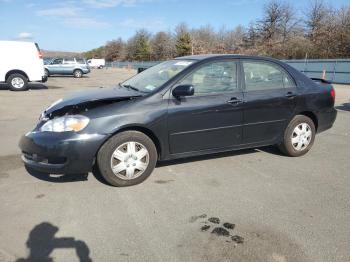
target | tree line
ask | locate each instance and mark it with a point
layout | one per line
(321, 31)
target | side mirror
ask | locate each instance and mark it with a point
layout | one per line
(183, 90)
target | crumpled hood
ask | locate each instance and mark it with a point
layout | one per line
(100, 94)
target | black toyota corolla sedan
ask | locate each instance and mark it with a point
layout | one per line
(184, 107)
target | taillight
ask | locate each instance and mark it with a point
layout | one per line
(39, 52)
(333, 94)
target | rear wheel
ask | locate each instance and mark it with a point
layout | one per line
(127, 158)
(17, 82)
(78, 73)
(299, 136)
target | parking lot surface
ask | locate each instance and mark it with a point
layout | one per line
(250, 205)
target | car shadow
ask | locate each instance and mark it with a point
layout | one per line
(57, 178)
(31, 86)
(272, 150)
(42, 242)
(268, 149)
(66, 178)
(204, 157)
(97, 174)
(344, 107)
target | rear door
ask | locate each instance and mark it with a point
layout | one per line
(212, 117)
(269, 94)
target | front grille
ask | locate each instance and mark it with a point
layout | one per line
(57, 160)
(41, 159)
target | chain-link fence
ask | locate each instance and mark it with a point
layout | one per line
(335, 70)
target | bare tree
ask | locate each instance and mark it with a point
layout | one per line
(203, 40)
(115, 50)
(322, 32)
(342, 33)
(162, 45)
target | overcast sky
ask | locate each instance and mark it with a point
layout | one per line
(82, 25)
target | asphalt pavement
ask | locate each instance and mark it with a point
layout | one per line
(250, 205)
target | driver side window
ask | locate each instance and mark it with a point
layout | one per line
(214, 77)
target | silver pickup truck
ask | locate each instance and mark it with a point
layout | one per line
(67, 66)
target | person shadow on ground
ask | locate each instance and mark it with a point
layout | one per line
(42, 242)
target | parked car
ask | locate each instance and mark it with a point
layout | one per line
(185, 107)
(20, 63)
(67, 66)
(97, 63)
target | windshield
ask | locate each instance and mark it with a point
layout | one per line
(156, 76)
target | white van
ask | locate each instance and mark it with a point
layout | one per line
(96, 63)
(20, 63)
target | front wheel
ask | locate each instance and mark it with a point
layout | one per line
(299, 136)
(127, 158)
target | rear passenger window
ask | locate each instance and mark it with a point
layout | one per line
(263, 75)
(80, 61)
(69, 61)
(215, 77)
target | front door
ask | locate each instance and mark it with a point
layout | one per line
(269, 96)
(55, 66)
(211, 118)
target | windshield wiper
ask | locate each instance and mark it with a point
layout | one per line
(130, 87)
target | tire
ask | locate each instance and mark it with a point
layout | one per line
(47, 73)
(78, 73)
(299, 136)
(117, 152)
(17, 82)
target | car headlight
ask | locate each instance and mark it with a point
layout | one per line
(66, 123)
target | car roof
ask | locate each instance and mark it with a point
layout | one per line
(218, 56)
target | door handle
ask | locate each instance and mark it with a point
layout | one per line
(290, 95)
(235, 101)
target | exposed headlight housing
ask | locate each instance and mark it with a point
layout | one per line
(66, 123)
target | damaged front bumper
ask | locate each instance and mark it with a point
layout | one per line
(60, 153)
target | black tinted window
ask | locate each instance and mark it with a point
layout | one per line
(264, 75)
(213, 77)
(57, 61)
(80, 60)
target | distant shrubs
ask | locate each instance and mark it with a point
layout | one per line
(322, 32)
